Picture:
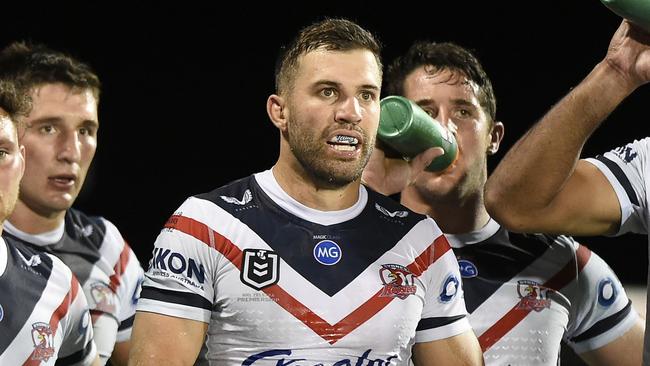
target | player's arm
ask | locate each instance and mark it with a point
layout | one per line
(459, 350)
(165, 340)
(120, 355)
(624, 351)
(541, 185)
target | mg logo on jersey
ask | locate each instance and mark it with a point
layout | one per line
(327, 252)
(260, 268)
(467, 268)
(42, 337)
(398, 281)
(533, 296)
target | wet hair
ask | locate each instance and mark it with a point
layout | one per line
(439, 57)
(32, 65)
(14, 101)
(329, 34)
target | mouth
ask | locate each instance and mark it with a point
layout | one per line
(344, 142)
(63, 180)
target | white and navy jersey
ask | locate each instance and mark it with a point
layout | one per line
(626, 169)
(280, 282)
(108, 270)
(44, 316)
(527, 293)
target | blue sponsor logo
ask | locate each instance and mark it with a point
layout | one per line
(327, 252)
(467, 268)
(449, 288)
(2, 313)
(607, 292)
(166, 260)
(272, 355)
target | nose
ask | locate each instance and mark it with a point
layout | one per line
(348, 111)
(444, 117)
(69, 147)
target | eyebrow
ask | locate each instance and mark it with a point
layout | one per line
(338, 85)
(42, 120)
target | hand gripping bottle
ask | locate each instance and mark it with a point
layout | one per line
(408, 129)
(636, 11)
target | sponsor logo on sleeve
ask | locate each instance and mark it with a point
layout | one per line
(626, 153)
(167, 263)
(260, 268)
(449, 288)
(607, 292)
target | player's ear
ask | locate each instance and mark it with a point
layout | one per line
(275, 107)
(496, 135)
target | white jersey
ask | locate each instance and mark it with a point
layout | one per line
(527, 293)
(44, 316)
(280, 282)
(627, 170)
(107, 268)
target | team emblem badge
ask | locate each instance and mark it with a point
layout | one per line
(42, 337)
(398, 281)
(104, 297)
(533, 296)
(260, 268)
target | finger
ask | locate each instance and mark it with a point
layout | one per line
(422, 160)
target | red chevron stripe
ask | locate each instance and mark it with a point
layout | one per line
(330, 332)
(516, 315)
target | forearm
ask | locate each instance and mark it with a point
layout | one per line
(539, 165)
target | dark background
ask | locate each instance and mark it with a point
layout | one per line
(185, 86)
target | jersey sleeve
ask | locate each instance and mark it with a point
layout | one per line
(444, 314)
(626, 168)
(600, 311)
(126, 281)
(180, 278)
(77, 347)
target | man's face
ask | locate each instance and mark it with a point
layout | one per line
(60, 138)
(452, 99)
(12, 165)
(332, 114)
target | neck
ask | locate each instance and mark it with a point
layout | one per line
(453, 216)
(306, 189)
(31, 222)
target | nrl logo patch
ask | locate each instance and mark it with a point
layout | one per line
(398, 281)
(533, 296)
(260, 268)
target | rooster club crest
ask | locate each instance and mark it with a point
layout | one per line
(104, 298)
(260, 268)
(398, 281)
(533, 296)
(42, 337)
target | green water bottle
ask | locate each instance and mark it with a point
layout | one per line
(408, 129)
(636, 11)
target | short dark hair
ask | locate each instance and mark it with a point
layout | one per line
(332, 34)
(14, 101)
(441, 56)
(32, 65)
